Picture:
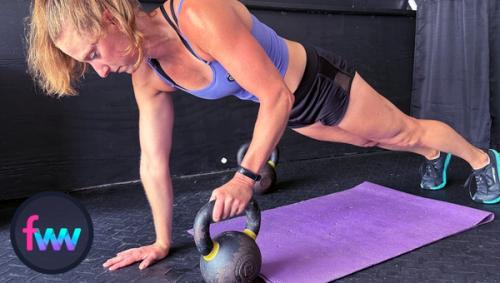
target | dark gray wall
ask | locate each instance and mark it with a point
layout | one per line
(49, 144)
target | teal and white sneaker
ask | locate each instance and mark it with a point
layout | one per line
(433, 172)
(487, 181)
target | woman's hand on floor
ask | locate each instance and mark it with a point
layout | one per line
(146, 254)
(232, 198)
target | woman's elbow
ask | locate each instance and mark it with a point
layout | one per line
(287, 99)
(290, 98)
(281, 98)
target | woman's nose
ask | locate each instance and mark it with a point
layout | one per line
(101, 69)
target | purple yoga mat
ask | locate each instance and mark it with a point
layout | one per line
(332, 236)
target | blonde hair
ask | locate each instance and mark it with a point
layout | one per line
(54, 71)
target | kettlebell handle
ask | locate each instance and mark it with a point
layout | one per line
(274, 158)
(203, 219)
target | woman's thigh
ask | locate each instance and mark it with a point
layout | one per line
(321, 132)
(372, 116)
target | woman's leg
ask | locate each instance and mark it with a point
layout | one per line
(321, 132)
(371, 116)
(371, 120)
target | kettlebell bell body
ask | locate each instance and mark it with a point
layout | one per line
(268, 180)
(232, 256)
(238, 259)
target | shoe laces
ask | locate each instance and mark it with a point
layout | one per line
(483, 181)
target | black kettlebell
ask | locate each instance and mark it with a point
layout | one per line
(232, 256)
(268, 171)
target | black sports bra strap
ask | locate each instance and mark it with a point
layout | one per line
(160, 70)
(172, 11)
(165, 15)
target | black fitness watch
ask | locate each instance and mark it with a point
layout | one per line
(249, 174)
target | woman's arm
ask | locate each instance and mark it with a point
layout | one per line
(216, 27)
(156, 117)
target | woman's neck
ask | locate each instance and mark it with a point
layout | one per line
(159, 39)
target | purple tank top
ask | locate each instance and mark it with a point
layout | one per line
(223, 84)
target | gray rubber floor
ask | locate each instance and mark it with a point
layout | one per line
(122, 220)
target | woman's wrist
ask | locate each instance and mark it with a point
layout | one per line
(163, 244)
(244, 179)
(255, 177)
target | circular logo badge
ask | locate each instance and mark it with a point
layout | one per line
(51, 232)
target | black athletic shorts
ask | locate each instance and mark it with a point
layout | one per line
(323, 92)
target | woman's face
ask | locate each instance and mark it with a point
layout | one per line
(106, 54)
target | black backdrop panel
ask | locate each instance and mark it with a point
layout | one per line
(89, 140)
(343, 4)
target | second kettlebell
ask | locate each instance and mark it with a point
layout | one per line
(268, 171)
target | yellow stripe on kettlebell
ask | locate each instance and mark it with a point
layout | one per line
(250, 234)
(270, 162)
(212, 253)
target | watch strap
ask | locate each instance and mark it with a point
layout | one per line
(249, 174)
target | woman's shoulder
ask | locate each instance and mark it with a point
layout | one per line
(202, 21)
(192, 12)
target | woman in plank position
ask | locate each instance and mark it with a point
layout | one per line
(216, 48)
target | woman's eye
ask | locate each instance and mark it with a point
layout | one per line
(93, 55)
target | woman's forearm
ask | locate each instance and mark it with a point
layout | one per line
(269, 127)
(159, 192)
